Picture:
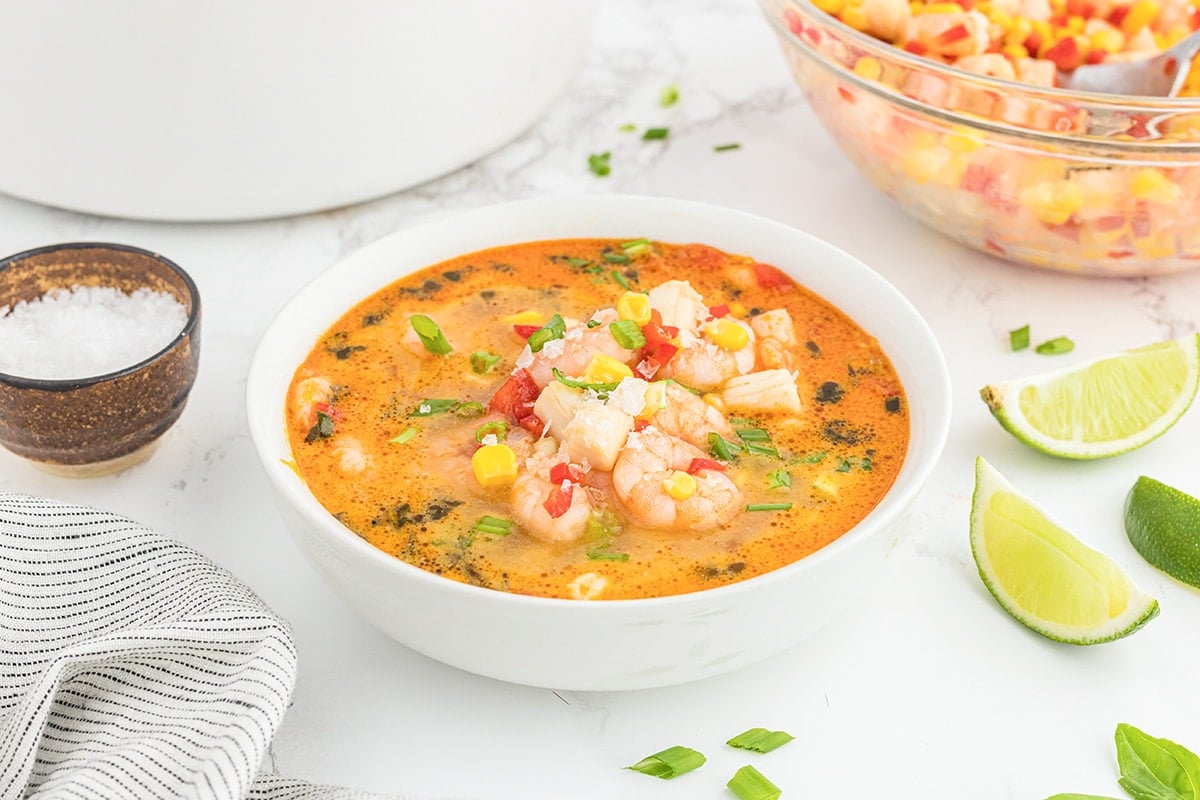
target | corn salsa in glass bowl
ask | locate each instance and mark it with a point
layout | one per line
(992, 153)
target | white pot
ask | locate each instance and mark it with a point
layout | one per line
(228, 109)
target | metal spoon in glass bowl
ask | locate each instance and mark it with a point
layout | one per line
(1160, 76)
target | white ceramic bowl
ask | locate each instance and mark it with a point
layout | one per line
(617, 644)
(227, 109)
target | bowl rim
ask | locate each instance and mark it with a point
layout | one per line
(71, 384)
(266, 399)
(1133, 105)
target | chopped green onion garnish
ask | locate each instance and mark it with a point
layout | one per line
(482, 362)
(750, 784)
(575, 261)
(576, 384)
(430, 334)
(769, 507)
(669, 95)
(637, 247)
(554, 329)
(594, 323)
(620, 279)
(1019, 338)
(742, 422)
(865, 465)
(761, 449)
(617, 258)
(1056, 347)
(721, 448)
(721, 148)
(495, 427)
(760, 740)
(844, 465)
(498, 526)
(469, 409)
(598, 163)
(598, 556)
(753, 434)
(432, 405)
(627, 333)
(405, 436)
(669, 763)
(779, 479)
(814, 458)
(628, 127)
(652, 134)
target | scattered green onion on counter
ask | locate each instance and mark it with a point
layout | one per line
(669, 763)
(1019, 339)
(598, 164)
(654, 134)
(1055, 347)
(760, 740)
(750, 784)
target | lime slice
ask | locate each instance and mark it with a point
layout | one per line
(1163, 524)
(1045, 577)
(1102, 407)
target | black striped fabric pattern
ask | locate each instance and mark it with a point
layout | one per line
(133, 667)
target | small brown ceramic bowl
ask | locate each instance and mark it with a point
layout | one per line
(105, 423)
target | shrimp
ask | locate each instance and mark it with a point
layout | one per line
(306, 395)
(645, 470)
(532, 493)
(702, 365)
(352, 456)
(951, 34)
(776, 338)
(575, 349)
(687, 417)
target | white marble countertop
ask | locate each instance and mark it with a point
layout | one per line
(930, 692)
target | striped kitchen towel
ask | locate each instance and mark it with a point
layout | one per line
(133, 667)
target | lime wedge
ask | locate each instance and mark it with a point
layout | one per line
(1163, 525)
(1102, 407)
(1045, 577)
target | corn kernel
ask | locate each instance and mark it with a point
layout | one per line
(655, 399)
(605, 369)
(830, 6)
(727, 334)
(856, 18)
(679, 485)
(1110, 40)
(1141, 14)
(869, 68)
(494, 465)
(737, 309)
(715, 400)
(1015, 51)
(1151, 184)
(1002, 18)
(826, 485)
(1053, 201)
(942, 8)
(1076, 23)
(529, 317)
(962, 141)
(634, 306)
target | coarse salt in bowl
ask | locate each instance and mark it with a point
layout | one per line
(100, 352)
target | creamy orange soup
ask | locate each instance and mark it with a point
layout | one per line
(597, 419)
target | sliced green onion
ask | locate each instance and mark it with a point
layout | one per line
(433, 405)
(496, 427)
(721, 448)
(750, 784)
(600, 556)
(865, 464)
(616, 258)
(405, 436)
(554, 329)
(575, 261)
(598, 164)
(620, 279)
(627, 334)
(498, 526)
(742, 422)
(769, 507)
(430, 334)
(760, 740)
(652, 134)
(594, 323)
(469, 410)
(669, 763)
(1055, 347)
(669, 95)
(575, 384)
(1019, 339)
(482, 362)
(814, 458)
(721, 148)
(779, 479)
(628, 127)
(844, 465)
(761, 449)
(752, 434)
(637, 246)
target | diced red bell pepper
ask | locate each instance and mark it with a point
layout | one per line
(954, 33)
(769, 277)
(333, 412)
(559, 500)
(519, 389)
(1118, 14)
(1065, 53)
(640, 425)
(531, 422)
(916, 48)
(718, 311)
(701, 464)
(525, 331)
(562, 471)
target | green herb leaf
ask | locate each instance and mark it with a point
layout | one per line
(669, 96)
(761, 449)
(554, 329)
(669, 763)
(496, 428)
(598, 164)
(576, 384)
(1156, 769)
(323, 428)
(482, 362)
(627, 127)
(721, 148)
(844, 465)
(779, 479)
(600, 555)
(750, 784)
(433, 405)
(654, 134)
(405, 436)
(469, 410)
(769, 507)
(753, 434)
(430, 334)
(1019, 339)
(760, 740)
(497, 526)
(636, 247)
(722, 448)
(616, 258)
(814, 458)
(1055, 347)
(594, 323)
(620, 279)
(627, 334)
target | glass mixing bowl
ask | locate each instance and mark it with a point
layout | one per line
(1088, 183)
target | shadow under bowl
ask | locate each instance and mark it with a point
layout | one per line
(83, 427)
